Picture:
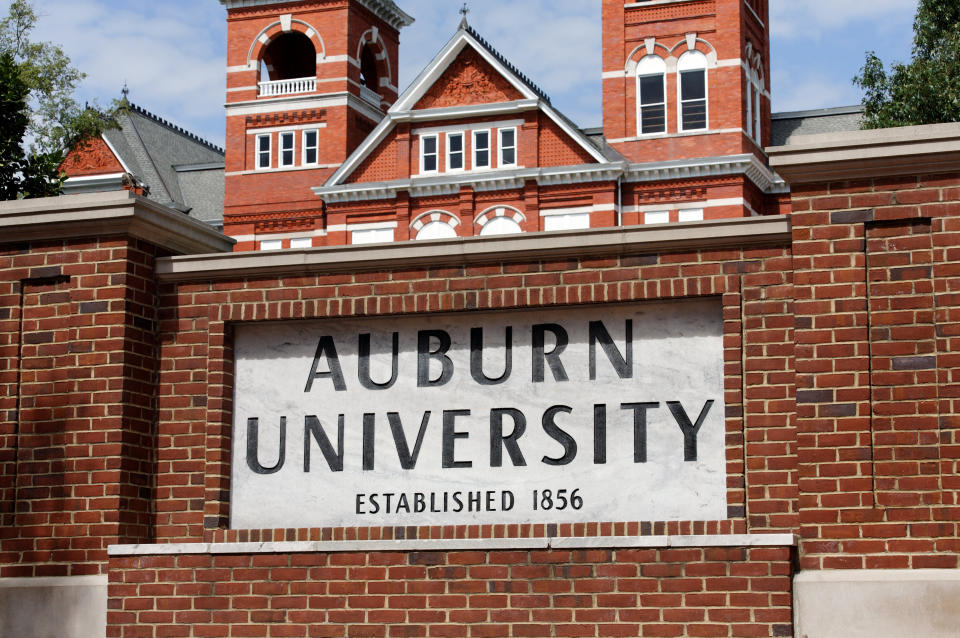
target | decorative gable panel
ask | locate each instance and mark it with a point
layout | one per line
(468, 80)
(381, 165)
(91, 158)
(559, 149)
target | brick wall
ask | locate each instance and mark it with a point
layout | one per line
(876, 272)
(77, 343)
(637, 592)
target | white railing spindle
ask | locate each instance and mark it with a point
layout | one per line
(288, 87)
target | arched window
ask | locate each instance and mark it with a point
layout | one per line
(368, 69)
(437, 230)
(289, 56)
(500, 226)
(692, 68)
(651, 95)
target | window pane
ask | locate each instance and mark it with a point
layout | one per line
(288, 158)
(264, 143)
(693, 85)
(482, 141)
(695, 115)
(456, 143)
(651, 89)
(311, 156)
(508, 155)
(456, 160)
(310, 138)
(483, 158)
(287, 140)
(429, 145)
(654, 119)
(507, 138)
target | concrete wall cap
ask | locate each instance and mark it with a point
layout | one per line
(773, 230)
(933, 148)
(104, 215)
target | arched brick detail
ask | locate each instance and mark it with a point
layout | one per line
(263, 39)
(434, 216)
(493, 212)
(373, 38)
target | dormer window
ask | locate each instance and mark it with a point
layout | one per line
(652, 92)
(454, 151)
(508, 147)
(481, 149)
(428, 154)
(693, 91)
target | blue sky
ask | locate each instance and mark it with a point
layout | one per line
(171, 52)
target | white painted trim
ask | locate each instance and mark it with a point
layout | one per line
(443, 60)
(474, 149)
(238, 89)
(304, 148)
(115, 153)
(242, 68)
(272, 105)
(284, 129)
(488, 544)
(257, 152)
(463, 151)
(285, 169)
(463, 128)
(709, 203)
(292, 149)
(307, 234)
(596, 208)
(423, 154)
(620, 140)
(337, 228)
(516, 148)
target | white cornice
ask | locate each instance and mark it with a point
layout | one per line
(747, 165)
(385, 9)
(486, 181)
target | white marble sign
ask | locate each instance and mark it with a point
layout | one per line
(600, 413)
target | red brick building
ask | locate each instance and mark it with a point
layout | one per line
(146, 361)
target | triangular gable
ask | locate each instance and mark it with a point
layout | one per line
(468, 80)
(94, 157)
(447, 68)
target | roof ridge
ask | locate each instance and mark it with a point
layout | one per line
(504, 61)
(174, 127)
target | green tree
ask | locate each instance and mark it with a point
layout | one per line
(39, 109)
(927, 89)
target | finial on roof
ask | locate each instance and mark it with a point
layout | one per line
(463, 12)
(125, 92)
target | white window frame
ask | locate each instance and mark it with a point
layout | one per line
(260, 152)
(656, 217)
(651, 65)
(701, 65)
(301, 242)
(462, 152)
(435, 154)
(305, 147)
(690, 215)
(500, 147)
(475, 149)
(271, 244)
(282, 149)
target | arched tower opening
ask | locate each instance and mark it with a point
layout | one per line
(369, 75)
(289, 56)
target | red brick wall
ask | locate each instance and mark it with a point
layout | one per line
(77, 333)
(738, 592)
(876, 272)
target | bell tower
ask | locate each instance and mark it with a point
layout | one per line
(307, 80)
(686, 78)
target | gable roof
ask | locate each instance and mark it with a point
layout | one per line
(404, 110)
(181, 170)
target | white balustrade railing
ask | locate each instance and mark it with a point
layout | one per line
(288, 87)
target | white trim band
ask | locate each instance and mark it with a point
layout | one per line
(482, 544)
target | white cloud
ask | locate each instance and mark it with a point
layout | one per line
(810, 19)
(812, 91)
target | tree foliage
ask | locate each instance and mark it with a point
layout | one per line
(37, 87)
(927, 89)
